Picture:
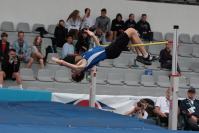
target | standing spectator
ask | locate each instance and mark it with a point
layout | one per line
(37, 51)
(162, 107)
(60, 34)
(144, 28)
(4, 46)
(130, 23)
(190, 108)
(23, 49)
(87, 22)
(68, 48)
(117, 26)
(10, 68)
(73, 23)
(83, 42)
(165, 57)
(103, 22)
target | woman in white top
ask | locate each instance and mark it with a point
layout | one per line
(73, 23)
(87, 22)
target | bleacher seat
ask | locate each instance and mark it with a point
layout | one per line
(62, 76)
(195, 39)
(101, 78)
(169, 36)
(29, 39)
(27, 74)
(50, 30)
(185, 63)
(183, 83)
(12, 38)
(157, 36)
(195, 52)
(185, 50)
(155, 49)
(195, 67)
(194, 82)
(25, 27)
(35, 26)
(106, 63)
(184, 38)
(147, 80)
(163, 81)
(132, 78)
(7, 26)
(122, 61)
(115, 78)
(45, 75)
(192, 1)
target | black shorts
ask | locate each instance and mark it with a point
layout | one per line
(115, 48)
(8, 76)
(70, 59)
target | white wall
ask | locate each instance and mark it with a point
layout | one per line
(161, 16)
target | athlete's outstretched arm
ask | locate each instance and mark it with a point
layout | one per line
(91, 34)
(79, 67)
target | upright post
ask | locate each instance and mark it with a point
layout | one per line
(93, 88)
(173, 115)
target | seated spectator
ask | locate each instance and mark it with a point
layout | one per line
(130, 23)
(117, 26)
(10, 68)
(165, 57)
(37, 51)
(103, 22)
(162, 107)
(99, 34)
(60, 34)
(83, 43)
(73, 23)
(139, 110)
(190, 108)
(4, 46)
(144, 28)
(68, 48)
(87, 22)
(108, 38)
(23, 49)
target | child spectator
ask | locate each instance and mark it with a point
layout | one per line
(68, 48)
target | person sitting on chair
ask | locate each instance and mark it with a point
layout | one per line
(80, 64)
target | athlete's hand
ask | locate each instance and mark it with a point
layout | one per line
(90, 33)
(57, 60)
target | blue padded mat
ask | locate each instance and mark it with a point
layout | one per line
(50, 117)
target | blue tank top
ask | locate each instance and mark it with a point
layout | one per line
(94, 56)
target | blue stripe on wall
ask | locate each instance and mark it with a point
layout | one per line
(24, 95)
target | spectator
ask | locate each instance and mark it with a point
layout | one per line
(4, 46)
(87, 22)
(162, 107)
(37, 51)
(130, 23)
(68, 48)
(117, 26)
(60, 34)
(73, 23)
(103, 22)
(83, 43)
(108, 38)
(99, 34)
(10, 68)
(144, 28)
(190, 108)
(165, 57)
(139, 110)
(23, 49)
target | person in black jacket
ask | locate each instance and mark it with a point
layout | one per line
(4, 46)
(190, 108)
(165, 57)
(10, 68)
(130, 23)
(117, 26)
(60, 34)
(144, 28)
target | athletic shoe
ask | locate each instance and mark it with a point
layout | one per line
(143, 60)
